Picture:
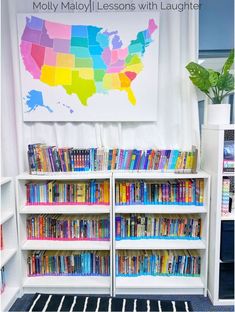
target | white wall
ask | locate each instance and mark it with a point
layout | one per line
(177, 125)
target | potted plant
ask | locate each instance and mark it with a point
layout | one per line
(216, 86)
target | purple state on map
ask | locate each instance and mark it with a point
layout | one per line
(83, 59)
(45, 41)
(61, 45)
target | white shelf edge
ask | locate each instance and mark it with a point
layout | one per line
(155, 174)
(219, 127)
(67, 281)
(65, 209)
(65, 245)
(160, 209)
(151, 174)
(6, 216)
(228, 174)
(5, 180)
(159, 282)
(84, 175)
(160, 244)
(6, 255)
(226, 302)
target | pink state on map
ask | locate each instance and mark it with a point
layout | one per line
(130, 75)
(50, 57)
(117, 67)
(122, 53)
(30, 64)
(152, 26)
(114, 56)
(56, 30)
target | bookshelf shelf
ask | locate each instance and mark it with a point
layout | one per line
(159, 284)
(9, 254)
(161, 244)
(162, 209)
(6, 215)
(6, 255)
(65, 245)
(82, 175)
(162, 284)
(213, 138)
(68, 284)
(63, 284)
(154, 174)
(66, 209)
(4, 180)
(228, 174)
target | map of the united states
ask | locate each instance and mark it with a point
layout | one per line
(83, 59)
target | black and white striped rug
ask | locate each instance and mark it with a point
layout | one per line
(71, 303)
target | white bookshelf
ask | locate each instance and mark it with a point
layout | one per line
(112, 285)
(9, 253)
(61, 284)
(162, 284)
(212, 162)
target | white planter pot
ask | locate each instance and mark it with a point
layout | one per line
(218, 114)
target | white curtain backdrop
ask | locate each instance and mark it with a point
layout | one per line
(177, 123)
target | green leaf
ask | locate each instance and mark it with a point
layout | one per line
(199, 76)
(228, 64)
(213, 77)
(226, 82)
(202, 85)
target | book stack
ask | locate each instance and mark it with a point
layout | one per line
(229, 162)
(185, 192)
(133, 226)
(160, 262)
(68, 227)
(225, 196)
(3, 281)
(54, 192)
(76, 263)
(42, 158)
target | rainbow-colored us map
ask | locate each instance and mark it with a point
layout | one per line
(83, 59)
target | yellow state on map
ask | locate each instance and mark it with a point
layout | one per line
(86, 73)
(131, 96)
(63, 76)
(136, 68)
(111, 81)
(65, 60)
(48, 75)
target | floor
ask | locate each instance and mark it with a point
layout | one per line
(199, 303)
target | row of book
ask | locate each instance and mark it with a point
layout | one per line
(68, 263)
(187, 192)
(225, 196)
(163, 262)
(3, 280)
(43, 158)
(68, 227)
(128, 263)
(135, 226)
(56, 192)
(130, 226)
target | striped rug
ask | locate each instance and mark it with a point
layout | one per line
(71, 303)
